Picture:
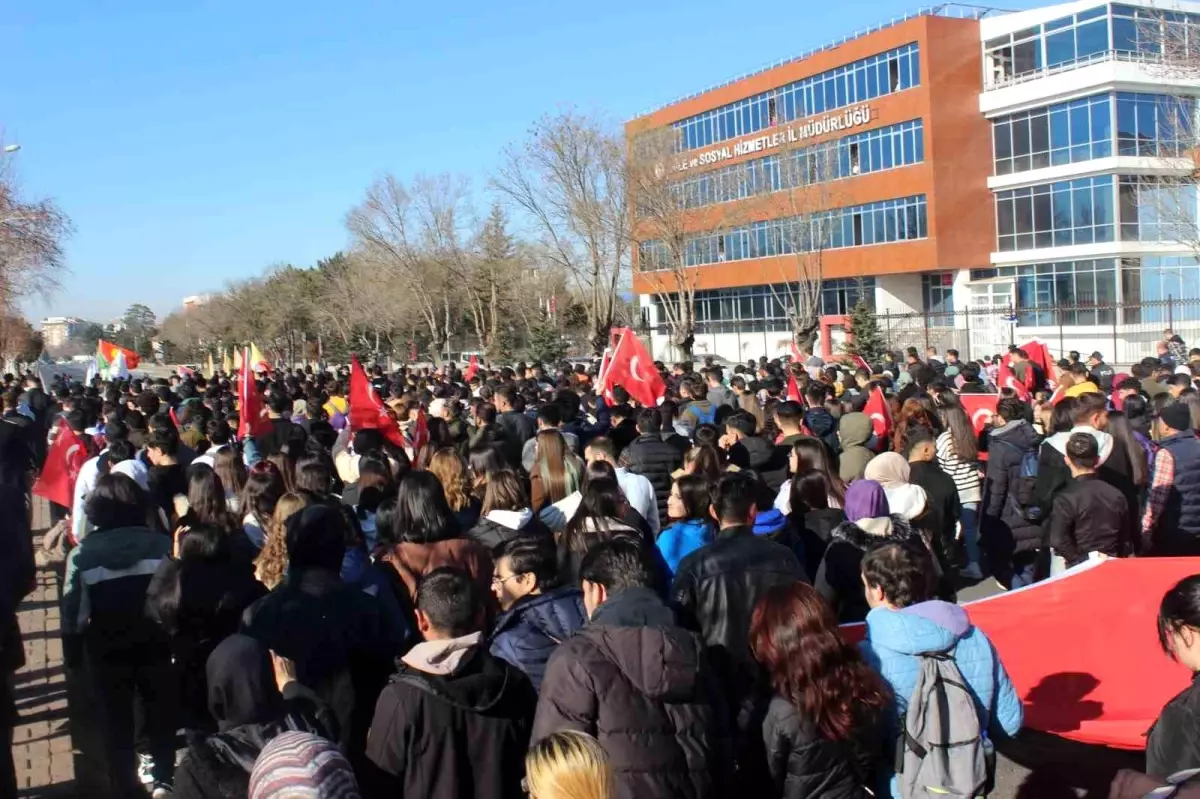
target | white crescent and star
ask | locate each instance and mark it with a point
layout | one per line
(633, 369)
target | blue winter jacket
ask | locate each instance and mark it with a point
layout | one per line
(526, 634)
(895, 637)
(681, 539)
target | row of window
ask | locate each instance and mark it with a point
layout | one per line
(857, 82)
(872, 223)
(750, 308)
(872, 151)
(1080, 130)
(1076, 38)
(1086, 211)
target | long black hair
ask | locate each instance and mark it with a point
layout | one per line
(1180, 608)
(603, 503)
(422, 515)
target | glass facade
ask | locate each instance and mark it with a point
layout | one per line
(1154, 210)
(872, 223)
(1153, 124)
(750, 309)
(1103, 31)
(937, 289)
(873, 151)
(874, 76)
(1059, 214)
(1067, 293)
(1059, 134)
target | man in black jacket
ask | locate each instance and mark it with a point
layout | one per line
(717, 586)
(1089, 515)
(652, 457)
(16, 569)
(639, 683)
(454, 721)
(518, 427)
(1010, 534)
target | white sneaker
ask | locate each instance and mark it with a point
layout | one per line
(145, 768)
(971, 572)
(161, 791)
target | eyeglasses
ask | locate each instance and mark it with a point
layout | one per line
(497, 580)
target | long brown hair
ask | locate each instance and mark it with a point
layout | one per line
(795, 636)
(271, 563)
(558, 468)
(451, 471)
(503, 492)
(812, 455)
(962, 432)
(913, 413)
(228, 465)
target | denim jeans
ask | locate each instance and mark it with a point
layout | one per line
(970, 532)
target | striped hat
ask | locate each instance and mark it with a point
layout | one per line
(300, 764)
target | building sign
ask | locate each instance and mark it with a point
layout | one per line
(852, 117)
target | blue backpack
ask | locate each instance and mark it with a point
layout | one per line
(705, 417)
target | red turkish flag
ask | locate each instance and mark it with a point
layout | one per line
(109, 351)
(793, 390)
(880, 412)
(252, 421)
(633, 368)
(420, 433)
(980, 408)
(796, 354)
(472, 369)
(367, 411)
(1005, 378)
(63, 461)
(1039, 354)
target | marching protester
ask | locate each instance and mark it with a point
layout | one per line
(617, 589)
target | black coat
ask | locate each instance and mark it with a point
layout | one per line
(717, 586)
(283, 431)
(654, 459)
(839, 577)
(1089, 516)
(814, 529)
(445, 737)
(642, 687)
(1174, 740)
(335, 635)
(1117, 471)
(1004, 529)
(518, 428)
(805, 765)
(492, 534)
(942, 510)
(526, 634)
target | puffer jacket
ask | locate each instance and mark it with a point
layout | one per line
(896, 637)
(642, 687)
(682, 539)
(716, 588)
(805, 764)
(822, 425)
(654, 459)
(839, 577)
(1004, 529)
(526, 634)
(501, 526)
(855, 431)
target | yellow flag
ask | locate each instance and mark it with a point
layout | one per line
(237, 360)
(257, 359)
(209, 368)
(226, 362)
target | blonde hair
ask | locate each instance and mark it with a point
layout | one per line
(451, 471)
(271, 563)
(569, 765)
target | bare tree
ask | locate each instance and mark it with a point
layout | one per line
(568, 177)
(31, 243)
(388, 231)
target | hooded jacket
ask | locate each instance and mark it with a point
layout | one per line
(681, 539)
(526, 634)
(457, 726)
(896, 637)
(1002, 525)
(822, 425)
(855, 431)
(839, 577)
(641, 686)
(1114, 468)
(501, 526)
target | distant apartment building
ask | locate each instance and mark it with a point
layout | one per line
(57, 330)
(195, 301)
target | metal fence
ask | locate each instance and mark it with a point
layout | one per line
(1122, 332)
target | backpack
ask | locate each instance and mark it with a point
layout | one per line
(942, 751)
(1021, 491)
(705, 417)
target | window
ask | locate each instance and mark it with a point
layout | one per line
(1056, 214)
(1153, 125)
(1067, 293)
(1152, 283)
(871, 151)
(1059, 134)
(866, 79)
(761, 308)
(938, 292)
(1156, 209)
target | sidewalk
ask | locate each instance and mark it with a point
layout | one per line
(42, 748)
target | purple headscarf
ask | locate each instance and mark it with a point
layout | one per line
(865, 499)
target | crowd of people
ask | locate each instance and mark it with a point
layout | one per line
(533, 586)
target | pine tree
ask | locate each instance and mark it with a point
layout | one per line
(864, 338)
(546, 344)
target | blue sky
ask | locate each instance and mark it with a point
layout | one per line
(197, 142)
